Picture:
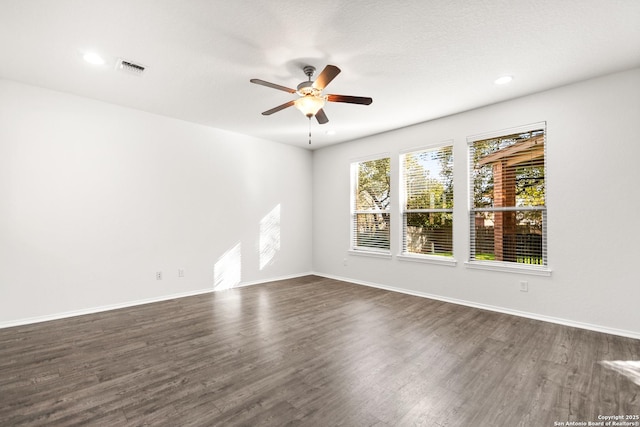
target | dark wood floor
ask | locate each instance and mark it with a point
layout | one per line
(309, 351)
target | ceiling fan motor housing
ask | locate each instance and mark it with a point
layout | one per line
(306, 88)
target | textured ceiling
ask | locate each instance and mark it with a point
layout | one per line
(418, 59)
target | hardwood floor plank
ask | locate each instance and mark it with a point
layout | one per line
(309, 351)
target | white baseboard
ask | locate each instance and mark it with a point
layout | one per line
(92, 310)
(550, 319)
(126, 304)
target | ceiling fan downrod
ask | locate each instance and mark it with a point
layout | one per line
(309, 70)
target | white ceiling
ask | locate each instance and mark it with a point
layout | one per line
(418, 59)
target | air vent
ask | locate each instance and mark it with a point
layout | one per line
(130, 67)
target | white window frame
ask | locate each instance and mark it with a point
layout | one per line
(365, 250)
(506, 266)
(409, 256)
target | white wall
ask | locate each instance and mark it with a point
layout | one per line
(95, 198)
(593, 149)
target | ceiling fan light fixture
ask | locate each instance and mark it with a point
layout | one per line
(309, 105)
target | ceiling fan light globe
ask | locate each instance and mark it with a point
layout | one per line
(309, 105)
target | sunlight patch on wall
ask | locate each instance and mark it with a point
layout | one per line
(269, 240)
(628, 368)
(227, 271)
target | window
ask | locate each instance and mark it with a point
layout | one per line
(427, 207)
(370, 214)
(508, 203)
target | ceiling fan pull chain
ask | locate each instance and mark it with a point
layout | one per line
(309, 130)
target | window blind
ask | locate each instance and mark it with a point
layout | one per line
(370, 210)
(427, 208)
(508, 196)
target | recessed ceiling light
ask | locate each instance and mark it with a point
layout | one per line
(330, 132)
(503, 80)
(93, 58)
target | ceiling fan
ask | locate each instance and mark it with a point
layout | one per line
(311, 99)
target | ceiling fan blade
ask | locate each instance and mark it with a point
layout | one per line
(350, 99)
(278, 108)
(272, 85)
(321, 117)
(329, 73)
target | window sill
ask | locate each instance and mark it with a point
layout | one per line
(429, 259)
(508, 267)
(374, 254)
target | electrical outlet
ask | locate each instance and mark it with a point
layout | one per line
(345, 262)
(524, 286)
(158, 275)
(181, 272)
